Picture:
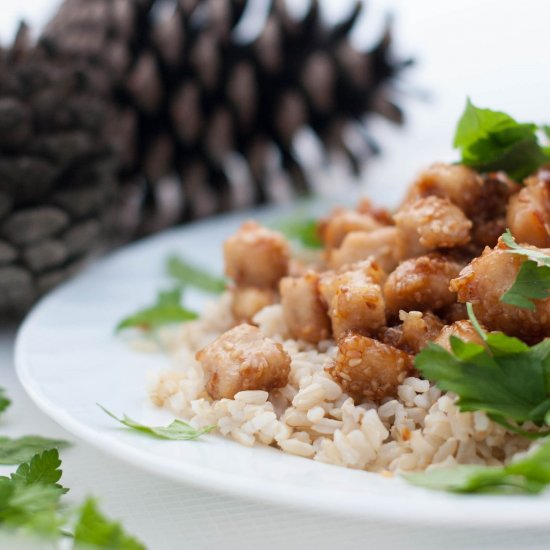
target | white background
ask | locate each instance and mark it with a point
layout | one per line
(498, 53)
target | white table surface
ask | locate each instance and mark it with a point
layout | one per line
(496, 51)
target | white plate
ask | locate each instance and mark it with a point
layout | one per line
(68, 359)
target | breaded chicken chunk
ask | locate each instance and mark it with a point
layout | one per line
(528, 216)
(368, 369)
(246, 301)
(354, 298)
(428, 224)
(421, 284)
(304, 313)
(484, 281)
(360, 245)
(414, 332)
(243, 359)
(458, 183)
(256, 256)
(341, 222)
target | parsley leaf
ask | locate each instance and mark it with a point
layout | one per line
(528, 475)
(5, 402)
(167, 310)
(191, 275)
(16, 451)
(94, 530)
(177, 430)
(302, 230)
(505, 378)
(42, 468)
(492, 140)
(532, 283)
(533, 279)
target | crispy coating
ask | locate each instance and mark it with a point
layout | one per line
(488, 213)
(460, 184)
(430, 223)
(360, 245)
(256, 256)
(246, 301)
(354, 298)
(528, 216)
(461, 329)
(381, 215)
(485, 280)
(414, 332)
(421, 284)
(341, 222)
(304, 313)
(243, 359)
(369, 369)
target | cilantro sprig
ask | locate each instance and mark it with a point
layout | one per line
(21, 449)
(5, 402)
(189, 274)
(504, 377)
(533, 278)
(166, 310)
(178, 430)
(30, 502)
(528, 475)
(301, 229)
(491, 140)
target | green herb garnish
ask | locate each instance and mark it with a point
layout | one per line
(29, 498)
(188, 274)
(505, 377)
(533, 279)
(490, 141)
(177, 430)
(528, 475)
(94, 530)
(16, 451)
(302, 230)
(167, 310)
(4, 400)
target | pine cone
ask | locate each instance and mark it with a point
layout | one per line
(202, 99)
(129, 116)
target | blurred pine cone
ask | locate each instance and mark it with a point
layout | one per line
(129, 116)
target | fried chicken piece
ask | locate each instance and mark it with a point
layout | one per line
(381, 215)
(304, 313)
(341, 221)
(256, 256)
(421, 284)
(484, 281)
(488, 213)
(360, 245)
(415, 331)
(456, 182)
(248, 300)
(368, 369)
(528, 216)
(243, 359)
(430, 223)
(354, 298)
(461, 329)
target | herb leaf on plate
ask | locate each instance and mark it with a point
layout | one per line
(166, 310)
(301, 229)
(22, 449)
(491, 140)
(189, 274)
(505, 377)
(94, 530)
(533, 279)
(177, 430)
(529, 475)
(5, 402)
